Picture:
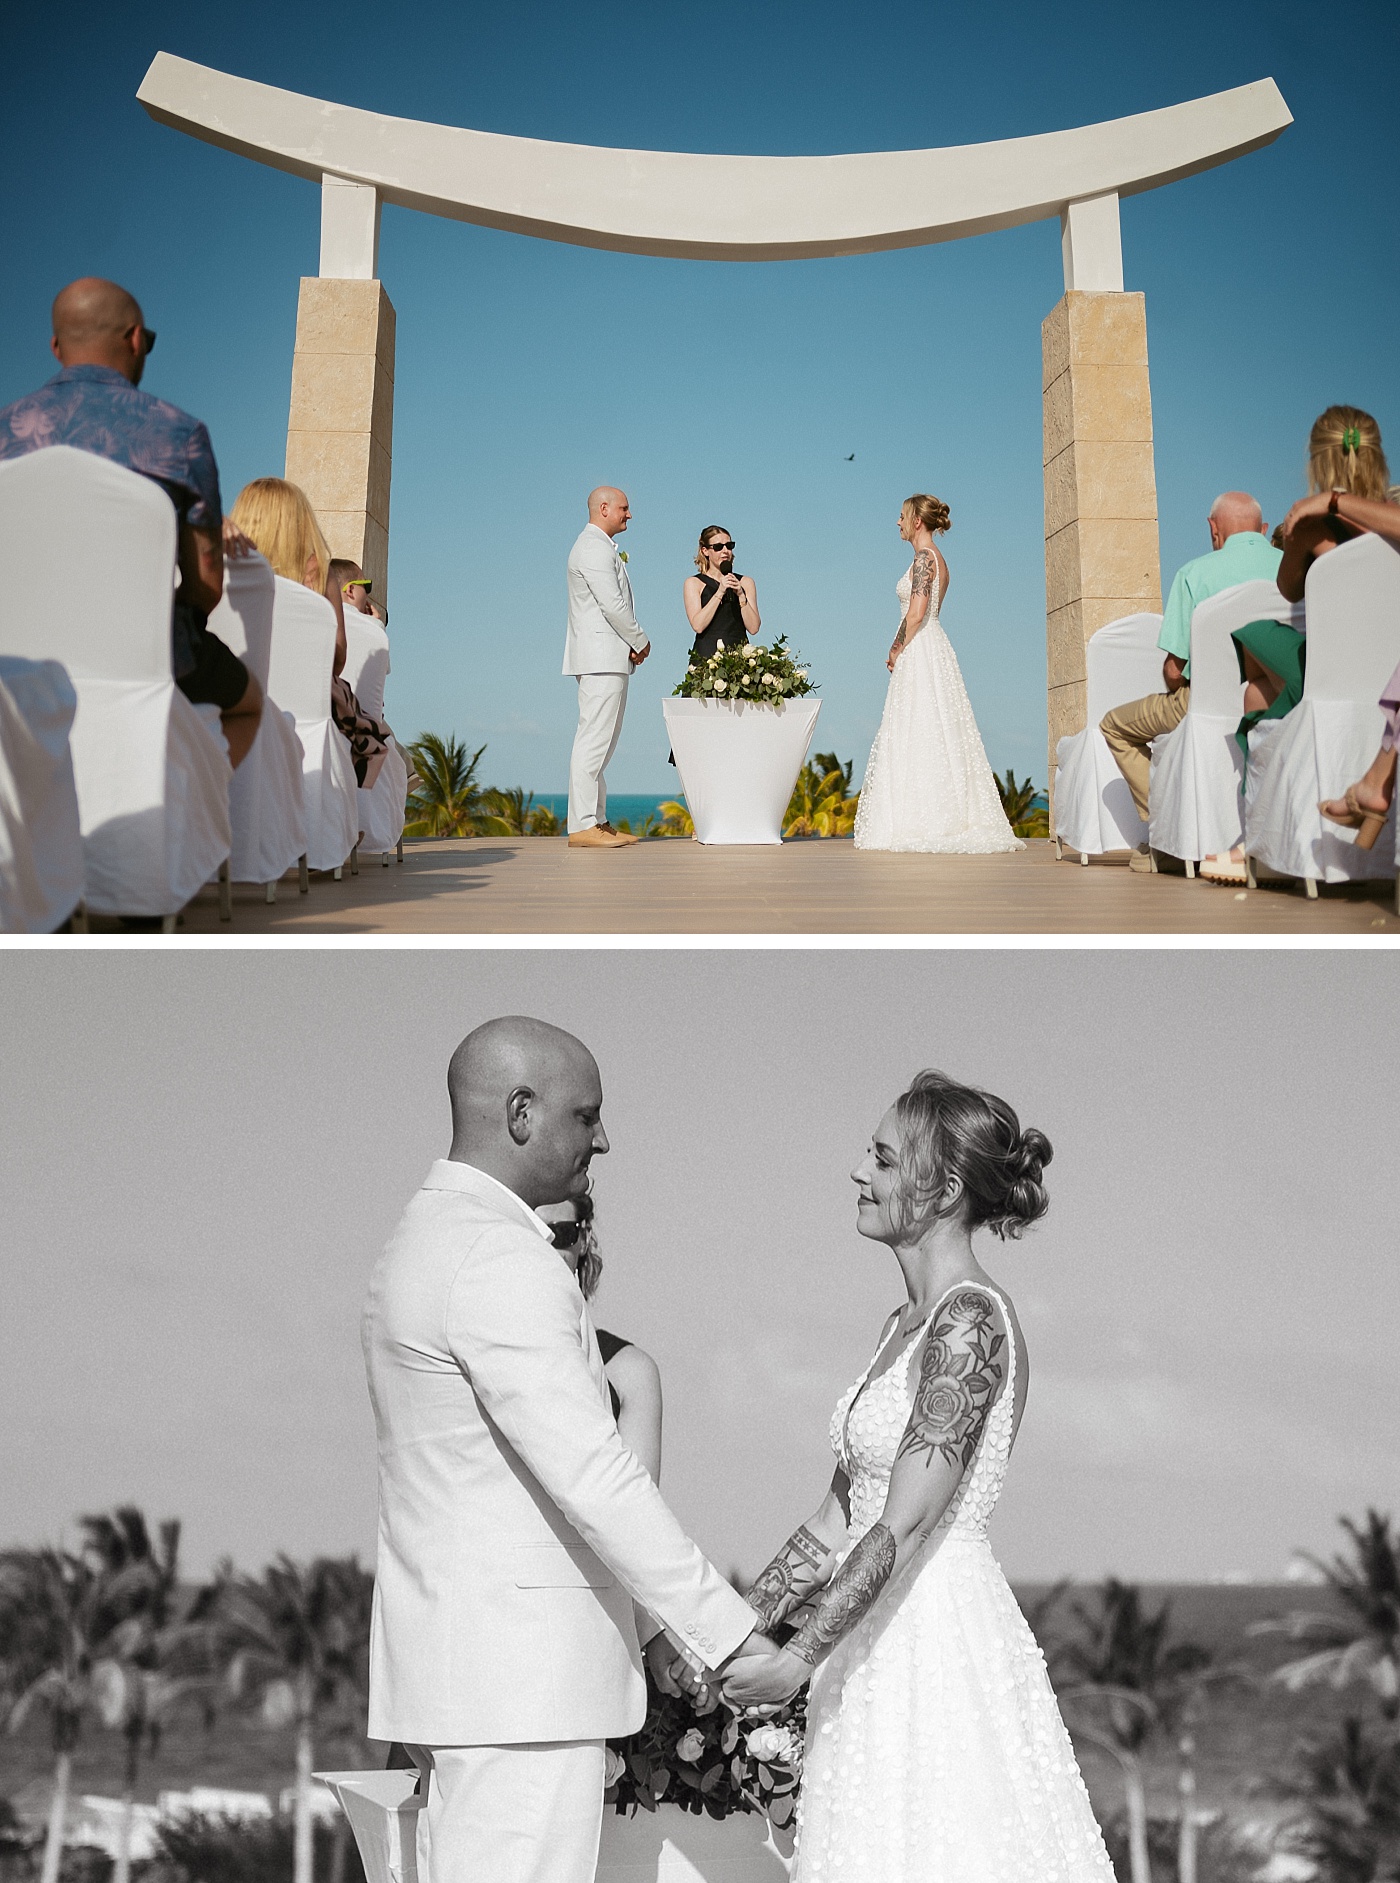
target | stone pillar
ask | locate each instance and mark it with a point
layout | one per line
(1102, 558)
(340, 431)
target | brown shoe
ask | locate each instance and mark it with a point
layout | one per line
(596, 838)
(625, 835)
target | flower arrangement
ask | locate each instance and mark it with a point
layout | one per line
(758, 676)
(712, 1762)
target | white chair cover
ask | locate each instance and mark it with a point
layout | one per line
(1094, 809)
(1198, 768)
(88, 554)
(738, 763)
(41, 839)
(366, 667)
(303, 653)
(266, 800)
(1331, 736)
(383, 1811)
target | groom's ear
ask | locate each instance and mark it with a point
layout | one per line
(519, 1107)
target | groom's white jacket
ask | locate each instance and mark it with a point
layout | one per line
(602, 621)
(515, 1527)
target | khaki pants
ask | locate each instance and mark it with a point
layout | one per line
(1129, 730)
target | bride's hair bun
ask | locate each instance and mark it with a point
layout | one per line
(955, 1135)
(932, 512)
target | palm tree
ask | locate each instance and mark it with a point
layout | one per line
(676, 820)
(1348, 1787)
(514, 813)
(157, 1643)
(447, 798)
(1360, 1638)
(1025, 816)
(298, 1636)
(1134, 1681)
(822, 802)
(50, 1617)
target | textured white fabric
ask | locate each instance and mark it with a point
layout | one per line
(602, 700)
(1331, 736)
(738, 764)
(602, 623)
(366, 669)
(1198, 768)
(512, 1814)
(266, 800)
(928, 785)
(303, 653)
(1094, 809)
(88, 554)
(935, 1749)
(41, 839)
(515, 1527)
(366, 660)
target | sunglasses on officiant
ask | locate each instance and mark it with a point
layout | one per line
(719, 547)
(566, 1235)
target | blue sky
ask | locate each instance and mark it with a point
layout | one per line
(726, 392)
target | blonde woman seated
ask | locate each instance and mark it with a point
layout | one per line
(721, 607)
(278, 519)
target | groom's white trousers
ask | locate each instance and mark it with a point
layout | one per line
(511, 1814)
(602, 700)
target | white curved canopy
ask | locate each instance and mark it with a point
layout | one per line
(710, 207)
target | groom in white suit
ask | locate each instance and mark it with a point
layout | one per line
(602, 646)
(515, 1527)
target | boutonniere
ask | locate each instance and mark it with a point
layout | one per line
(622, 555)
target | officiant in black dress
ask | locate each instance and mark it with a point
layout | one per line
(720, 605)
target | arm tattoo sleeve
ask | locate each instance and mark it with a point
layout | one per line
(903, 628)
(785, 1584)
(851, 1595)
(961, 1372)
(921, 581)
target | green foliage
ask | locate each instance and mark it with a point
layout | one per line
(762, 676)
(676, 820)
(1346, 1787)
(446, 801)
(1025, 816)
(514, 813)
(202, 1849)
(822, 802)
(1362, 1641)
(648, 826)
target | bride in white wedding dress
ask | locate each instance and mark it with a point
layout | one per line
(935, 1749)
(928, 785)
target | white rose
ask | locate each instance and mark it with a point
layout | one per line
(720, 646)
(614, 1765)
(690, 1745)
(772, 1745)
(720, 686)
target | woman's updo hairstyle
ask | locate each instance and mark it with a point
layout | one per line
(1344, 453)
(707, 536)
(950, 1131)
(932, 512)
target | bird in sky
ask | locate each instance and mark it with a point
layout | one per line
(851, 459)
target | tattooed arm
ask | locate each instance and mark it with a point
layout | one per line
(962, 1370)
(924, 578)
(803, 1565)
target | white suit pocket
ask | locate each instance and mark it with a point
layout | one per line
(559, 1566)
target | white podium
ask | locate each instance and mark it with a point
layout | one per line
(383, 1813)
(669, 1845)
(738, 763)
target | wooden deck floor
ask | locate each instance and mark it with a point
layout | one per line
(537, 885)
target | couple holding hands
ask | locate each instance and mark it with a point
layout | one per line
(527, 1561)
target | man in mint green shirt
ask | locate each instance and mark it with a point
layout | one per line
(1239, 552)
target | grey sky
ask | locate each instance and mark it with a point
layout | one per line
(201, 1155)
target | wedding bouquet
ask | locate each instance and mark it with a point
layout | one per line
(759, 676)
(712, 1762)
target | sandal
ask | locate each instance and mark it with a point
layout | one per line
(1367, 824)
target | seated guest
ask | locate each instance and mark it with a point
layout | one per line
(277, 517)
(101, 343)
(355, 587)
(1239, 552)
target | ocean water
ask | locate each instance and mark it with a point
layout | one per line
(634, 807)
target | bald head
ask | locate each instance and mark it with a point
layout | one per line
(97, 323)
(609, 509)
(1233, 511)
(526, 1107)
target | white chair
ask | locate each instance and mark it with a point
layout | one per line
(1198, 768)
(267, 807)
(88, 554)
(382, 805)
(299, 679)
(1331, 736)
(1094, 809)
(41, 838)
